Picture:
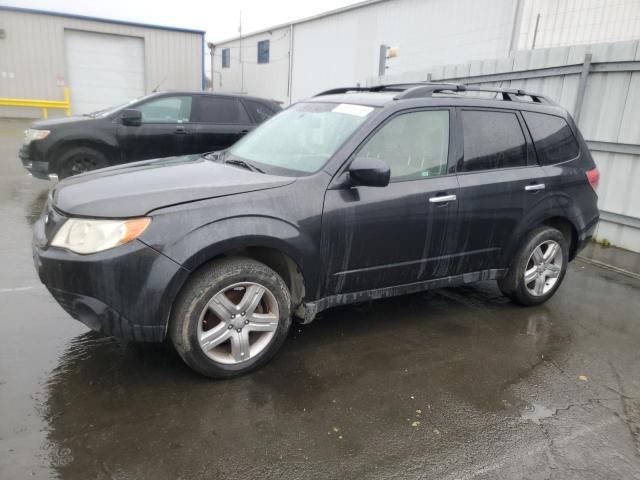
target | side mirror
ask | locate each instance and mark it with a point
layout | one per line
(131, 117)
(369, 172)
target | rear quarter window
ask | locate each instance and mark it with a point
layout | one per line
(552, 137)
(259, 111)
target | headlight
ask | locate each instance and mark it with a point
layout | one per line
(32, 134)
(84, 236)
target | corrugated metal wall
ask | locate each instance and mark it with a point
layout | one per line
(609, 118)
(554, 23)
(32, 57)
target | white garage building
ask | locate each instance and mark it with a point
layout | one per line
(102, 62)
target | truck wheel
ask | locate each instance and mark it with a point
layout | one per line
(537, 270)
(80, 160)
(231, 317)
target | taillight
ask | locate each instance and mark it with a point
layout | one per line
(593, 176)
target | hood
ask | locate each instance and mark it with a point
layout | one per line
(54, 122)
(135, 189)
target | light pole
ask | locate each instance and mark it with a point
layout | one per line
(212, 48)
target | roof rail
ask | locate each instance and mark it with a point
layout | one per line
(428, 89)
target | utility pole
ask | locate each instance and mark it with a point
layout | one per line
(212, 49)
(535, 32)
(515, 28)
(240, 56)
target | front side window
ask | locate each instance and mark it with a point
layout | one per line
(212, 109)
(303, 137)
(263, 51)
(415, 145)
(492, 140)
(226, 58)
(166, 110)
(552, 138)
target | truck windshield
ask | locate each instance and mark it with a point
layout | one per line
(303, 137)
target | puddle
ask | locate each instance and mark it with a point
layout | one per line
(536, 412)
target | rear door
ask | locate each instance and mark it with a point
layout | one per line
(220, 121)
(500, 181)
(166, 129)
(376, 237)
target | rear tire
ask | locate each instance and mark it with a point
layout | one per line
(80, 160)
(231, 317)
(538, 268)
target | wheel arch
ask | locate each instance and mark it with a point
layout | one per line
(552, 218)
(64, 146)
(277, 259)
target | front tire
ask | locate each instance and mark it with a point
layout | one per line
(80, 160)
(231, 317)
(538, 268)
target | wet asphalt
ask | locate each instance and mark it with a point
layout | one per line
(450, 384)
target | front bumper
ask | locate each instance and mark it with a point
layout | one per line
(37, 168)
(125, 292)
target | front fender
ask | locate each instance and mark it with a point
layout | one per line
(198, 246)
(103, 141)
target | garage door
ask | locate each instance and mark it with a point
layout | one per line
(103, 70)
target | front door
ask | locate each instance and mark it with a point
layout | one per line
(376, 237)
(166, 130)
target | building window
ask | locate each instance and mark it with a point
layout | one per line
(226, 58)
(263, 51)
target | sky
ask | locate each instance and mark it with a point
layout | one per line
(220, 18)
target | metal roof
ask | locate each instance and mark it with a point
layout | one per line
(97, 19)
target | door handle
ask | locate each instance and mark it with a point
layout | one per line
(443, 199)
(534, 187)
(180, 130)
(244, 132)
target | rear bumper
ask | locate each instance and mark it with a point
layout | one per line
(585, 236)
(125, 292)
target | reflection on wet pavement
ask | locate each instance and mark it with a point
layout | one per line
(456, 383)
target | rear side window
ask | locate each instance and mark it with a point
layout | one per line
(212, 109)
(492, 140)
(415, 145)
(552, 137)
(259, 111)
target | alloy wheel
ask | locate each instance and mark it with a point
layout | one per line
(238, 323)
(543, 268)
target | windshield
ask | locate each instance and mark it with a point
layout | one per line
(303, 137)
(109, 110)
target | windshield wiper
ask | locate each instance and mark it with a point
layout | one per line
(216, 155)
(243, 164)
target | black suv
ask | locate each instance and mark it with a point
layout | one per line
(350, 196)
(158, 125)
